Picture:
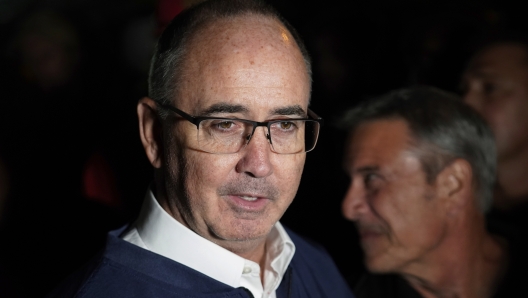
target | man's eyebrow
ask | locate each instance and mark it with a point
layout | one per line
(480, 71)
(367, 169)
(223, 108)
(482, 74)
(289, 110)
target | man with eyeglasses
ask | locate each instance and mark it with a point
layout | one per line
(226, 127)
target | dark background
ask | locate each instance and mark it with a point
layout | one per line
(49, 225)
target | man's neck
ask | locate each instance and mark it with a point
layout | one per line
(467, 266)
(512, 176)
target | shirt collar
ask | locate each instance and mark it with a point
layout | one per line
(164, 235)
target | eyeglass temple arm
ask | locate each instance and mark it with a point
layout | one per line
(314, 116)
(179, 112)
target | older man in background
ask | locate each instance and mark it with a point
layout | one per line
(422, 168)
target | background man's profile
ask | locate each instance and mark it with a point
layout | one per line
(226, 127)
(422, 168)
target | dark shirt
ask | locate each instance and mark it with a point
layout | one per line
(512, 227)
(384, 286)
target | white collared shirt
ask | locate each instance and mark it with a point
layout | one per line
(157, 231)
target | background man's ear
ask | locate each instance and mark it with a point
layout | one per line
(454, 184)
(150, 131)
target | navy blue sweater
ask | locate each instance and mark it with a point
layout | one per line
(123, 270)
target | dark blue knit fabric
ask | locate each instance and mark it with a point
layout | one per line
(124, 270)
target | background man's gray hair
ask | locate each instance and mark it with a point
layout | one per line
(443, 128)
(171, 49)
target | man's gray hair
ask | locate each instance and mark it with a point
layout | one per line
(172, 47)
(443, 127)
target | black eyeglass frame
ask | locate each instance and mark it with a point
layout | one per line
(196, 121)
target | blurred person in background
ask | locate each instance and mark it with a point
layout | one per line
(48, 46)
(495, 83)
(62, 192)
(422, 168)
(226, 128)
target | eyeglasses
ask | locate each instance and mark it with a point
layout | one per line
(226, 135)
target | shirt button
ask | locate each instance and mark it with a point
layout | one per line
(246, 270)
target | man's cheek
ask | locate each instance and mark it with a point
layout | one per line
(290, 183)
(196, 177)
(291, 166)
(210, 174)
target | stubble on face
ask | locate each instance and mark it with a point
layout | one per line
(395, 208)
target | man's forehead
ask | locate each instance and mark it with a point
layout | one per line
(480, 71)
(253, 65)
(245, 33)
(378, 141)
(496, 57)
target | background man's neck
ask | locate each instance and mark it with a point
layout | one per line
(469, 266)
(513, 181)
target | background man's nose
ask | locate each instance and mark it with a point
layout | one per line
(354, 204)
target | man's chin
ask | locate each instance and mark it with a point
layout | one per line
(378, 270)
(377, 265)
(243, 231)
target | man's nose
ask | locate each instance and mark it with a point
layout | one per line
(473, 99)
(354, 204)
(256, 155)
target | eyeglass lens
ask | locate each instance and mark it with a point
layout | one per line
(229, 136)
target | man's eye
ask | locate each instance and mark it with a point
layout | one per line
(372, 184)
(225, 124)
(286, 125)
(371, 180)
(223, 127)
(489, 88)
(368, 178)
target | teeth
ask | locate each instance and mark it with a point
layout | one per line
(248, 198)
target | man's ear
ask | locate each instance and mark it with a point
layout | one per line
(150, 131)
(455, 184)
